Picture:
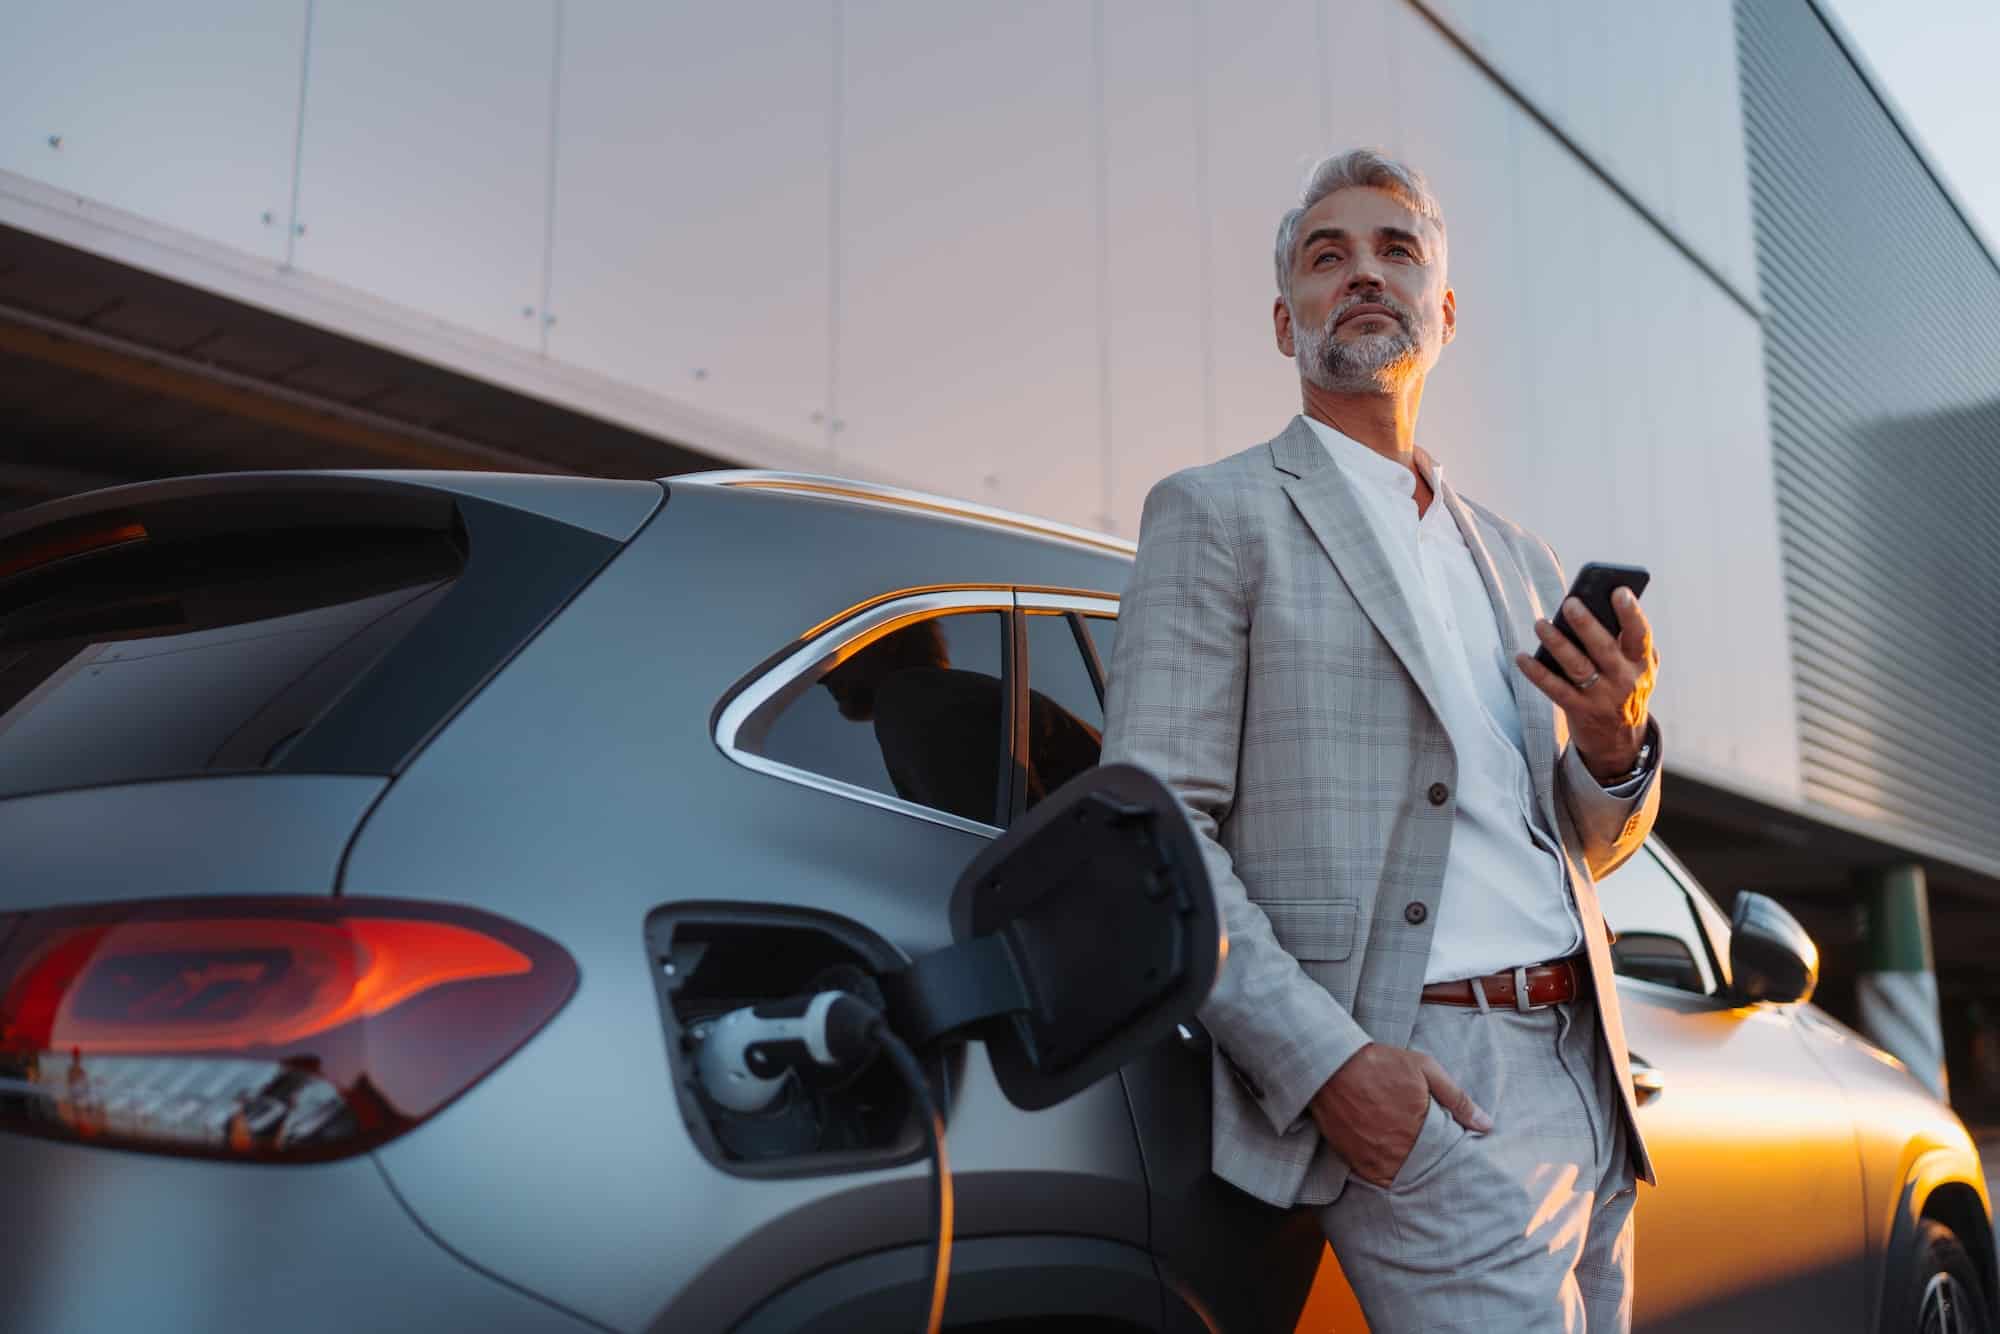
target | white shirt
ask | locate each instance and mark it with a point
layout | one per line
(1506, 901)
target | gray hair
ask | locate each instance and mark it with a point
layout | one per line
(1363, 167)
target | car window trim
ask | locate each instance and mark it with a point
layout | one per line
(1014, 772)
(1714, 923)
(1071, 607)
(1093, 664)
(739, 707)
(1075, 608)
(1090, 604)
(1696, 903)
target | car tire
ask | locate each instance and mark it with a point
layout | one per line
(1940, 1291)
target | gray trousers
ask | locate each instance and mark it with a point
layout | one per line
(1525, 1228)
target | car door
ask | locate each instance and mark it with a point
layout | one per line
(1757, 1222)
(1205, 1234)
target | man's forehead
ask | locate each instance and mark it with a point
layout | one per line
(1363, 208)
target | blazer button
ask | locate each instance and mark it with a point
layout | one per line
(1415, 914)
(1439, 794)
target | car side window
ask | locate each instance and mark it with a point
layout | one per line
(1659, 938)
(914, 711)
(1065, 713)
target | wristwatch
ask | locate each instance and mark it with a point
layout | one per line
(1639, 767)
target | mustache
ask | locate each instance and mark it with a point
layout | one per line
(1394, 307)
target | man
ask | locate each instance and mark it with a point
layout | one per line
(1320, 651)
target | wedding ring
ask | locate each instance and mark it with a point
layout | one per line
(1588, 681)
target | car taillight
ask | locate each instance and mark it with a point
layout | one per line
(267, 1029)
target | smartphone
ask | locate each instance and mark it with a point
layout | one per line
(1593, 587)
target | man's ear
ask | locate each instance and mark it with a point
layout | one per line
(1281, 325)
(1450, 314)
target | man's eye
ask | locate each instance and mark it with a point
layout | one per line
(1401, 250)
(1324, 256)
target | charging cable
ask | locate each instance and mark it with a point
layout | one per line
(747, 1055)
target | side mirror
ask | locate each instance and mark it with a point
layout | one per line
(1771, 957)
(1084, 935)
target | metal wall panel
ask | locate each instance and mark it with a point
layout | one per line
(1022, 254)
(1589, 88)
(1572, 369)
(1730, 209)
(1643, 88)
(692, 244)
(1260, 132)
(1883, 353)
(1691, 38)
(1359, 60)
(1467, 138)
(424, 162)
(1751, 611)
(1154, 387)
(968, 337)
(189, 122)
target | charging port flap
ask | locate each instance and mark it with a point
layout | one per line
(1085, 934)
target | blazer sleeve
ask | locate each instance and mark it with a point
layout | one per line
(1611, 826)
(1174, 706)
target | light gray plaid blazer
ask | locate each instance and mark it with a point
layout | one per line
(1269, 671)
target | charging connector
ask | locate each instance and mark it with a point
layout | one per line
(747, 1055)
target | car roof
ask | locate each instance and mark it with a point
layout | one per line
(881, 496)
(610, 507)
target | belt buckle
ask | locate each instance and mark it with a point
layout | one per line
(1521, 988)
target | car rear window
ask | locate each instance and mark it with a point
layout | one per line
(322, 647)
(206, 655)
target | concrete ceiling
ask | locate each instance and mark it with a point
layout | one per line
(109, 374)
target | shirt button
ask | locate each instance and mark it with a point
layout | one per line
(1439, 794)
(1415, 914)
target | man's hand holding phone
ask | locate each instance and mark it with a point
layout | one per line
(1602, 682)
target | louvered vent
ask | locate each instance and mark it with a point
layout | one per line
(1882, 350)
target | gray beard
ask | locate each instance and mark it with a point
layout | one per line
(1376, 363)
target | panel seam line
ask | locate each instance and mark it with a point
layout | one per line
(1589, 161)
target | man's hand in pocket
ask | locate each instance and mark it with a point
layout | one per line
(1372, 1109)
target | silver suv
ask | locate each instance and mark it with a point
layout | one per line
(377, 850)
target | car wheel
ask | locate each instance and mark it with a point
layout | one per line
(1941, 1292)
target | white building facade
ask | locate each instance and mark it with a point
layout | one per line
(1018, 253)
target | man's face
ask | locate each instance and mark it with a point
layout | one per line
(1369, 308)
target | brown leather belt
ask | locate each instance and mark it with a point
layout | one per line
(1544, 984)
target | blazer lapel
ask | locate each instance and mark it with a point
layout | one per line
(1514, 608)
(1326, 501)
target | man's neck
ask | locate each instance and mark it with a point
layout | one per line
(1385, 422)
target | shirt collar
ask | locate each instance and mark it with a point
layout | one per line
(1363, 464)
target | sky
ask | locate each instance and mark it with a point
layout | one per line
(1939, 61)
